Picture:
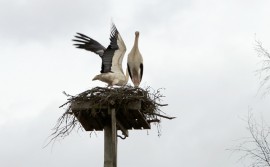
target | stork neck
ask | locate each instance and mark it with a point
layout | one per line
(136, 40)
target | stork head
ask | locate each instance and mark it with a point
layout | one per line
(137, 33)
(100, 77)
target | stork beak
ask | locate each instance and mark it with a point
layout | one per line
(136, 82)
(95, 78)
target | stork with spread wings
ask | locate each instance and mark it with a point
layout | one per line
(112, 57)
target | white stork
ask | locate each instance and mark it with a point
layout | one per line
(112, 57)
(135, 63)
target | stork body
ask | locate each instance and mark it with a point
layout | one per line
(135, 63)
(112, 57)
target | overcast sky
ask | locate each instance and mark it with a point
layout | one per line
(201, 52)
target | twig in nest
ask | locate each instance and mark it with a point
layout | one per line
(163, 116)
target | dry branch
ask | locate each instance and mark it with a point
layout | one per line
(256, 147)
(263, 72)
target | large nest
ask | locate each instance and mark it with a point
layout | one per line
(120, 96)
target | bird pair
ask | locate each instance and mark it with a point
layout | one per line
(112, 57)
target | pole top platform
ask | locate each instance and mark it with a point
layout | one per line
(93, 117)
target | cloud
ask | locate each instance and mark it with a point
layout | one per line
(43, 20)
(23, 141)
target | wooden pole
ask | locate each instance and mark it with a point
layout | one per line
(114, 137)
(110, 141)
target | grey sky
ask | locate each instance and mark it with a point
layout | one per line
(202, 52)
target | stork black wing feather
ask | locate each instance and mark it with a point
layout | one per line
(109, 52)
(87, 43)
(141, 67)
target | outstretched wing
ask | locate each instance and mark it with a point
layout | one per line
(87, 43)
(113, 55)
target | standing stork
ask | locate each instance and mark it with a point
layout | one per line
(135, 63)
(112, 57)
